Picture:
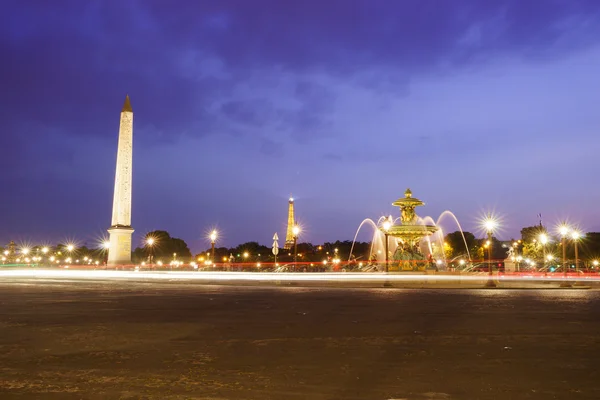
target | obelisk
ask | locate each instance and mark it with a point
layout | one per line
(119, 251)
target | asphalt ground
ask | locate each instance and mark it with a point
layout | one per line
(121, 339)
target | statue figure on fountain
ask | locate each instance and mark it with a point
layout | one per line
(408, 215)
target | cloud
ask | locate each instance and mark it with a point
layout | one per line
(251, 112)
(71, 63)
(270, 147)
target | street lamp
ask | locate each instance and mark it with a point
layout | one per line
(387, 224)
(105, 247)
(150, 245)
(213, 239)
(544, 241)
(295, 232)
(490, 224)
(563, 230)
(576, 235)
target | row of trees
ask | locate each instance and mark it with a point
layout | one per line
(455, 247)
(162, 247)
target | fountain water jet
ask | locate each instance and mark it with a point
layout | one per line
(450, 213)
(375, 232)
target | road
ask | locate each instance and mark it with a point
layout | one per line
(119, 339)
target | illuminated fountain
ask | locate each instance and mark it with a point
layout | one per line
(409, 234)
(414, 243)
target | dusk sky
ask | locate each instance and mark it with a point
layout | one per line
(474, 105)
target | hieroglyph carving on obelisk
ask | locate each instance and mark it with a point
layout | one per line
(119, 252)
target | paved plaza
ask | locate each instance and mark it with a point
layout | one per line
(100, 339)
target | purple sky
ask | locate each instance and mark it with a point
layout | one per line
(474, 105)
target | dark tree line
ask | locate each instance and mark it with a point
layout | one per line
(163, 247)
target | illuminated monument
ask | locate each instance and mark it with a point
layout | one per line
(119, 251)
(289, 236)
(409, 233)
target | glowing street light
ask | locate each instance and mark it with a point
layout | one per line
(150, 241)
(387, 224)
(490, 224)
(543, 238)
(295, 232)
(213, 240)
(576, 235)
(563, 230)
(25, 251)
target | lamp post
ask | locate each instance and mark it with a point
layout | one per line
(564, 231)
(45, 251)
(490, 225)
(544, 241)
(25, 253)
(70, 250)
(387, 224)
(213, 240)
(150, 244)
(105, 247)
(296, 232)
(245, 255)
(575, 235)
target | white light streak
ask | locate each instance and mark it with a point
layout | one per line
(270, 276)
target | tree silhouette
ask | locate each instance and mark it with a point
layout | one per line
(164, 248)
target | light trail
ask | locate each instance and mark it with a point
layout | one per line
(277, 276)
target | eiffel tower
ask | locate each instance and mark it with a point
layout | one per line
(289, 236)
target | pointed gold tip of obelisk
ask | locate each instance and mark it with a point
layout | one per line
(127, 105)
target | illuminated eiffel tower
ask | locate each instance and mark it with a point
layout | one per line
(289, 236)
